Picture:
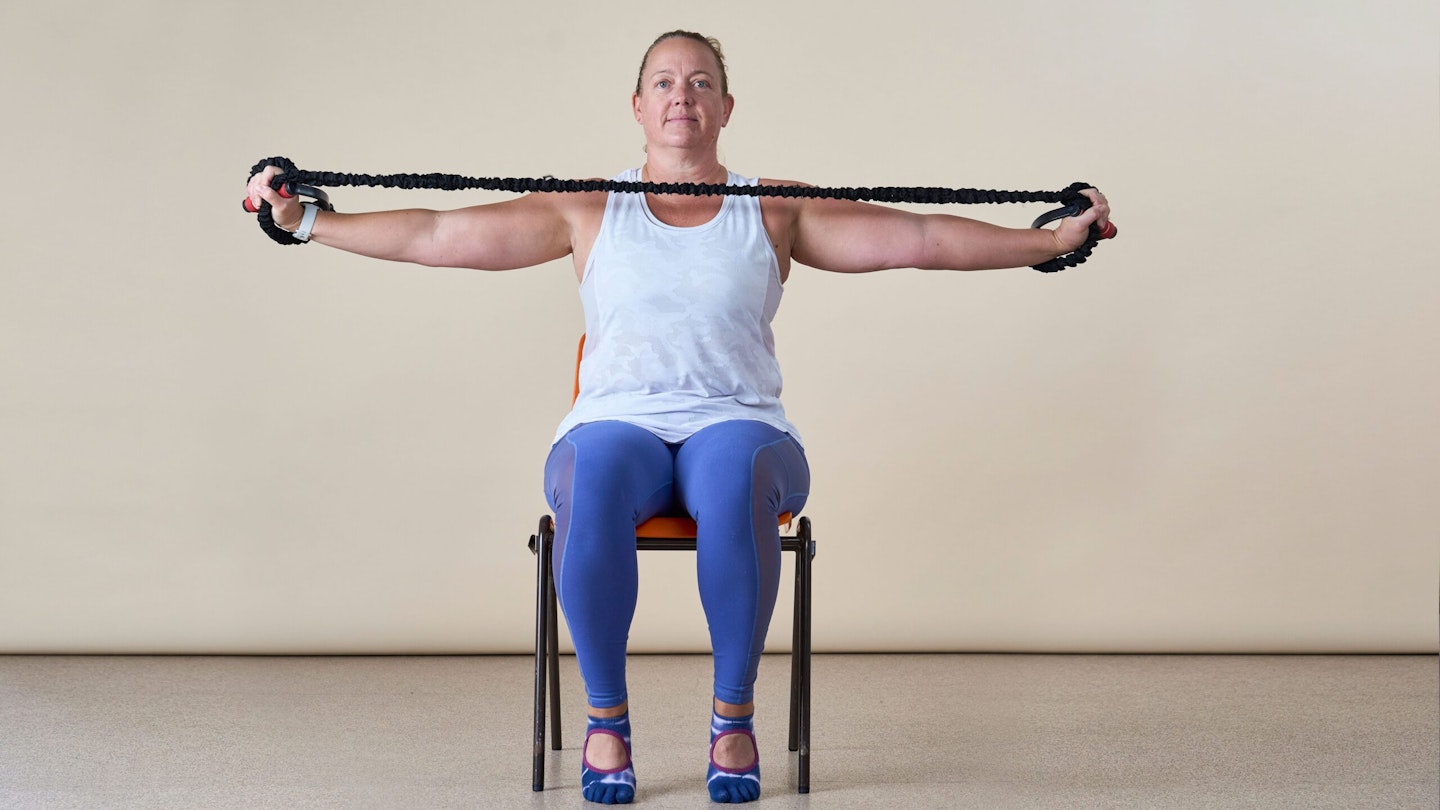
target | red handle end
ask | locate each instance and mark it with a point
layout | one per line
(249, 209)
(1109, 231)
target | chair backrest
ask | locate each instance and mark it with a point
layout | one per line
(579, 353)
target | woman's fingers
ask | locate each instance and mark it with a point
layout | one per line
(1098, 214)
(285, 209)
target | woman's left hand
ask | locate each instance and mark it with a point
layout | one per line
(1073, 231)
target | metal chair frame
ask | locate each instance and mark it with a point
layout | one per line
(667, 534)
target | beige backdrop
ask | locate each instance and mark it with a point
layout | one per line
(1219, 435)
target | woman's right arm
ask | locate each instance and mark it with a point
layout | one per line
(531, 230)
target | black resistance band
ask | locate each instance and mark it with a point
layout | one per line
(292, 180)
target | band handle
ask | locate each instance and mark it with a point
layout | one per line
(286, 188)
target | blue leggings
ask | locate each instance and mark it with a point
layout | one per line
(734, 478)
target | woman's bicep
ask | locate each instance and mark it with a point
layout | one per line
(843, 236)
(517, 233)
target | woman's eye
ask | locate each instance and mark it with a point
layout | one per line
(663, 84)
(701, 83)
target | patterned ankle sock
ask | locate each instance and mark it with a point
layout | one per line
(730, 785)
(615, 786)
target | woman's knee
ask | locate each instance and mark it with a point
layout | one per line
(610, 468)
(611, 454)
(742, 464)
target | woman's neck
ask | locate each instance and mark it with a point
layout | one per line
(682, 169)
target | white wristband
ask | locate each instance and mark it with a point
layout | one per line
(307, 222)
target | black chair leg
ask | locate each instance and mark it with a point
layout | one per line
(795, 650)
(541, 544)
(554, 656)
(807, 553)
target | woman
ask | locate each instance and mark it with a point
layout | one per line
(679, 403)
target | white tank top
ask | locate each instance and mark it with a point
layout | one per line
(677, 320)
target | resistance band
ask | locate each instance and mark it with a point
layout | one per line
(291, 181)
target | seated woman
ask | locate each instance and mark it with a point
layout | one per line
(679, 402)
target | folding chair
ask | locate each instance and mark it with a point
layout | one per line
(666, 533)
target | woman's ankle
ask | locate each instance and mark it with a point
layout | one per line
(733, 710)
(609, 711)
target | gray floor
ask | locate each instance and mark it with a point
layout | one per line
(982, 731)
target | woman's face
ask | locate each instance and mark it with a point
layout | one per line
(680, 103)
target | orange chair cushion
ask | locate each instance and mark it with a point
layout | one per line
(671, 526)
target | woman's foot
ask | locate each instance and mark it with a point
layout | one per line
(607, 776)
(734, 774)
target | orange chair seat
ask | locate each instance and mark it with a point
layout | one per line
(662, 526)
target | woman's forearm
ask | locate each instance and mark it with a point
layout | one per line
(405, 236)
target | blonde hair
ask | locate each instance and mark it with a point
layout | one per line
(710, 42)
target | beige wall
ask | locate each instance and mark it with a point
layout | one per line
(1220, 435)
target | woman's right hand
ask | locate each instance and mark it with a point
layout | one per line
(285, 211)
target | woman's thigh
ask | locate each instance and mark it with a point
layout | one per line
(610, 467)
(742, 462)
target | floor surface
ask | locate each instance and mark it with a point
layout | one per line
(910, 731)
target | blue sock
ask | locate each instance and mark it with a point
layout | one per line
(725, 784)
(608, 787)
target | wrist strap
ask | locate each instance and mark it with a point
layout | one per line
(307, 222)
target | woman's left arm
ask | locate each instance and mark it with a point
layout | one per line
(852, 237)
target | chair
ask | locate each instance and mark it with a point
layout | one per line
(666, 533)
